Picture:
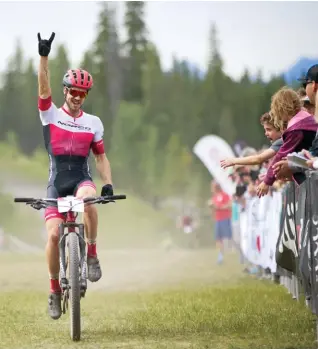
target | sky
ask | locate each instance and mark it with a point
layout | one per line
(270, 36)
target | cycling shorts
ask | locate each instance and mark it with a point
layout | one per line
(65, 183)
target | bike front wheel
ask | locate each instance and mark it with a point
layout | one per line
(75, 292)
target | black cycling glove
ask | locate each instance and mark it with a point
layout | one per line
(107, 190)
(45, 45)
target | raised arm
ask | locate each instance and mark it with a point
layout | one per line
(43, 74)
(46, 108)
(249, 160)
(44, 78)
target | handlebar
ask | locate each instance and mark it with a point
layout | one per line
(104, 198)
(42, 203)
(23, 199)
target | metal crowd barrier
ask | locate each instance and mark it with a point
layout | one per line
(298, 261)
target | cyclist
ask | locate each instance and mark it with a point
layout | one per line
(69, 135)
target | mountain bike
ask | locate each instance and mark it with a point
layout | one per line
(73, 264)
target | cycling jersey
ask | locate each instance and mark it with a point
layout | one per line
(68, 141)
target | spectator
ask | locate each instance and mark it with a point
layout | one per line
(273, 133)
(221, 210)
(308, 95)
(310, 83)
(299, 134)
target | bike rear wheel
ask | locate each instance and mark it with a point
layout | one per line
(74, 295)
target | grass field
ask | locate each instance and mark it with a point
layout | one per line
(154, 299)
(148, 297)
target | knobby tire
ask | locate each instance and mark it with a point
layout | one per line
(75, 292)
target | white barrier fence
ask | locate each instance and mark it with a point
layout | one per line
(280, 232)
(260, 227)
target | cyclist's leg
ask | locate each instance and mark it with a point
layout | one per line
(52, 252)
(53, 219)
(86, 188)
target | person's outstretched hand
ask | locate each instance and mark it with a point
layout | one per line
(227, 163)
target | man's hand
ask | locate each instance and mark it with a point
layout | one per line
(307, 154)
(262, 190)
(107, 190)
(310, 163)
(45, 45)
(311, 159)
(227, 163)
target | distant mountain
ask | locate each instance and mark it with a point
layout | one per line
(290, 75)
(299, 69)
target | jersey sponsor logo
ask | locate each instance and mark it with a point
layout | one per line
(78, 127)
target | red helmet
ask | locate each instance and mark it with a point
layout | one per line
(78, 78)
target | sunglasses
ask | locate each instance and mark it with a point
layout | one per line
(77, 93)
(306, 83)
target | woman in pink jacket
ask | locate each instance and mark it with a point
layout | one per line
(286, 108)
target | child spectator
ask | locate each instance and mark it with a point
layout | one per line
(286, 107)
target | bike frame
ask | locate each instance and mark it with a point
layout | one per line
(71, 226)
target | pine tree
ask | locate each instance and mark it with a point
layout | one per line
(107, 71)
(12, 103)
(135, 47)
(215, 60)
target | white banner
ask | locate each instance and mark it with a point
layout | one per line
(276, 211)
(263, 230)
(211, 150)
(260, 223)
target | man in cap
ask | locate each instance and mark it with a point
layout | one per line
(310, 83)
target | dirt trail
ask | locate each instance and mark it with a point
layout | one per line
(127, 270)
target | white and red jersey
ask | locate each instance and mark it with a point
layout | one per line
(69, 140)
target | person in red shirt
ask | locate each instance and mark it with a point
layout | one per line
(221, 204)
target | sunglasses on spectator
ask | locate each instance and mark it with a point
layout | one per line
(77, 93)
(306, 83)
